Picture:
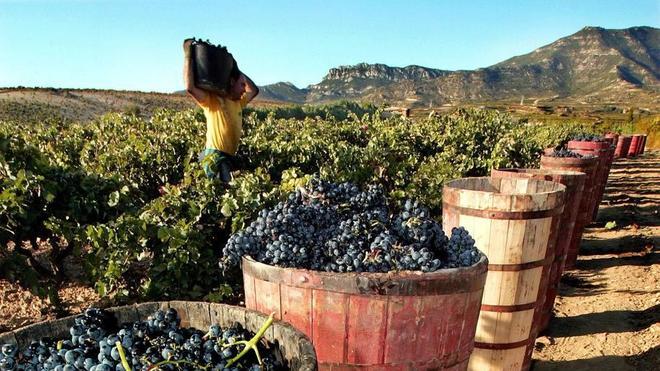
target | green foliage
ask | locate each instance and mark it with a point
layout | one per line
(129, 196)
(142, 154)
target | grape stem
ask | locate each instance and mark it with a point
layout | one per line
(304, 192)
(252, 343)
(156, 366)
(122, 356)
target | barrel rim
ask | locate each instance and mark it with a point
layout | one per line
(588, 145)
(450, 186)
(572, 173)
(395, 283)
(572, 160)
(504, 205)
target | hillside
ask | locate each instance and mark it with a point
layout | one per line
(31, 104)
(592, 65)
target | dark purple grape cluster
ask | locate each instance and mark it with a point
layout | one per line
(341, 228)
(565, 152)
(584, 137)
(158, 340)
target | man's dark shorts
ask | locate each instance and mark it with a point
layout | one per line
(216, 164)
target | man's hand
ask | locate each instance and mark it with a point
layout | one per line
(186, 46)
(251, 89)
(189, 76)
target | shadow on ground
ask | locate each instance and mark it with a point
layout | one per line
(648, 360)
(645, 258)
(604, 322)
(618, 245)
(578, 283)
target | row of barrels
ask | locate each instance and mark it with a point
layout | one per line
(527, 222)
(629, 145)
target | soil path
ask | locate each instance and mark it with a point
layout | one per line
(607, 316)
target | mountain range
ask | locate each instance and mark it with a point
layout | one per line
(592, 65)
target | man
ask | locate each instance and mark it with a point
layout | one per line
(224, 120)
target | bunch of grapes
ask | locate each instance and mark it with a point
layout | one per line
(157, 343)
(341, 228)
(584, 137)
(565, 152)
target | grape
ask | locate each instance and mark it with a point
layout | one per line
(144, 343)
(584, 137)
(564, 152)
(340, 228)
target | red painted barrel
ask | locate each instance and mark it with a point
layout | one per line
(644, 138)
(511, 221)
(588, 167)
(375, 321)
(641, 145)
(610, 161)
(622, 146)
(574, 182)
(613, 137)
(634, 144)
(605, 153)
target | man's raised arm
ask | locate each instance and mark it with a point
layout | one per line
(188, 75)
(251, 89)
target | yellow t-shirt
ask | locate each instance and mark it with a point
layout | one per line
(224, 122)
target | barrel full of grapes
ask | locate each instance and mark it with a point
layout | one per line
(605, 152)
(294, 348)
(586, 165)
(511, 221)
(622, 146)
(574, 182)
(634, 143)
(383, 321)
(613, 137)
(642, 144)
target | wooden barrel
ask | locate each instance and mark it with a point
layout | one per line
(610, 161)
(613, 137)
(642, 144)
(381, 321)
(295, 347)
(622, 146)
(574, 182)
(588, 167)
(511, 221)
(605, 155)
(634, 144)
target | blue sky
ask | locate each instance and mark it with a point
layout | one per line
(136, 45)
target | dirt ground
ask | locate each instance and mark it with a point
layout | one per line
(19, 307)
(607, 316)
(608, 311)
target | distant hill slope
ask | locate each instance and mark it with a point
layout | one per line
(82, 104)
(284, 92)
(592, 65)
